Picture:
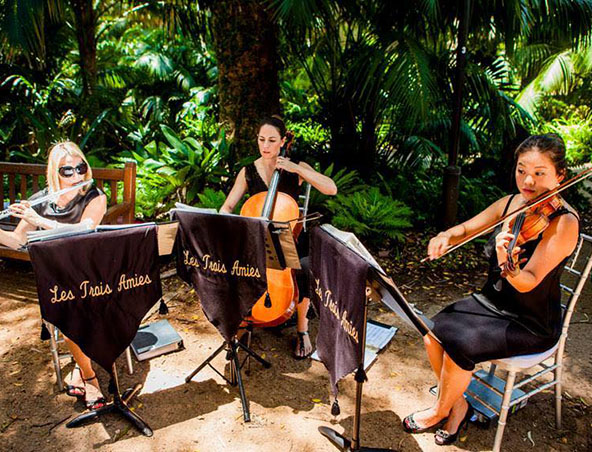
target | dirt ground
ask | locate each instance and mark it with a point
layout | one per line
(288, 402)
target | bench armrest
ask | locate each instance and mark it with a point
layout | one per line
(115, 211)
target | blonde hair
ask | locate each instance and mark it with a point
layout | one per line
(56, 153)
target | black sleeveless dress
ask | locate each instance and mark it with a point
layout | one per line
(71, 213)
(289, 184)
(501, 322)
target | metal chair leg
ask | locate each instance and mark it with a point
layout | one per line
(130, 364)
(55, 354)
(558, 374)
(501, 424)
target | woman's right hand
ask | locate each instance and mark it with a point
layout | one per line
(438, 245)
(24, 211)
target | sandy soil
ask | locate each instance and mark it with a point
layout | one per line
(288, 402)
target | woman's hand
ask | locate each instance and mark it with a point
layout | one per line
(24, 211)
(285, 164)
(438, 245)
(502, 240)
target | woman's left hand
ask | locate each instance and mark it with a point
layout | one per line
(24, 211)
(285, 164)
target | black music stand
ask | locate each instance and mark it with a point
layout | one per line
(280, 252)
(392, 297)
(337, 439)
(118, 405)
(165, 238)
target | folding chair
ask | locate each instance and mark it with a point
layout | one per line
(484, 383)
(55, 340)
(305, 201)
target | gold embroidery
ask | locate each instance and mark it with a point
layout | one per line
(126, 283)
(214, 266)
(94, 291)
(245, 270)
(190, 260)
(64, 296)
(327, 300)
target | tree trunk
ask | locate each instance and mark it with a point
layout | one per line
(85, 20)
(246, 45)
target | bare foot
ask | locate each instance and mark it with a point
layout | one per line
(74, 383)
(303, 345)
(94, 397)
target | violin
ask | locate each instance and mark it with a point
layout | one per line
(279, 302)
(527, 226)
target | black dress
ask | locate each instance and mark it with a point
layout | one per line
(71, 213)
(289, 184)
(501, 322)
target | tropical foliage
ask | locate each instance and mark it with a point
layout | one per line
(371, 216)
(368, 86)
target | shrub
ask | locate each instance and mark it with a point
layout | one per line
(346, 181)
(371, 216)
(211, 199)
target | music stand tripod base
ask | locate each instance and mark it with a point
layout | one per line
(118, 405)
(235, 379)
(344, 444)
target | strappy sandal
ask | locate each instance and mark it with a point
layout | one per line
(300, 346)
(410, 426)
(97, 403)
(73, 390)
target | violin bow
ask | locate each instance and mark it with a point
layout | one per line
(533, 202)
(7, 212)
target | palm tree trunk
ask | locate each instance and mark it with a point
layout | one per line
(85, 20)
(246, 45)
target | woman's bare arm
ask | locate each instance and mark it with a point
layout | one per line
(238, 190)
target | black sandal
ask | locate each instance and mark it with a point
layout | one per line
(73, 390)
(444, 438)
(300, 346)
(97, 403)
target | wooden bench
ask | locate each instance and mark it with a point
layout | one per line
(24, 180)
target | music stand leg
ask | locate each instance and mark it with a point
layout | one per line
(254, 355)
(235, 366)
(205, 363)
(235, 379)
(118, 405)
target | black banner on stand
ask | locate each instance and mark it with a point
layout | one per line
(97, 287)
(223, 257)
(338, 290)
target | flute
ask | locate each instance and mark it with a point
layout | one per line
(7, 212)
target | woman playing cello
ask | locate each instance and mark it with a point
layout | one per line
(518, 311)
(256, 177)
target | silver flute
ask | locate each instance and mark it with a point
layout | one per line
(7, 212)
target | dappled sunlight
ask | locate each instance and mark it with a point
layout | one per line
(288, 402)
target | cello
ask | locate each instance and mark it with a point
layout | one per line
(279, 302)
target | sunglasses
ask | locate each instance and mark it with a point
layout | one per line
(68, 171)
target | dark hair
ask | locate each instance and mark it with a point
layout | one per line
(550, 144)
(276, 122)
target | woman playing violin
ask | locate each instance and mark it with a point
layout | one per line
(517, 312)
(256, 177)
(66, 167)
